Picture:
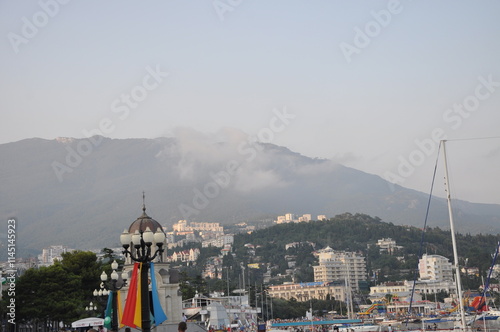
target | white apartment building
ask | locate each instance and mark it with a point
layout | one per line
(388, 245)
(181, 226)
(305, 218)
(290, 217)
(52, 253)
(340, 266)
(280, 220)
(435, 267)
(219, 241)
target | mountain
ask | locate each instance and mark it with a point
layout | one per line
(84, 192)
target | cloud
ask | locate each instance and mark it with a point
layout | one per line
(196, 156)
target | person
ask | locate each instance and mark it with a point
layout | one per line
(182, 327)
(335, 328)
(435, 327)
(389, 328)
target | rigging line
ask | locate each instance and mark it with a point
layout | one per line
(423, 232)
(472, 138)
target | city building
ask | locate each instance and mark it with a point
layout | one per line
(388, 245)
(305, 218)
(290, 217)
(404, 288)
(435, 267)
(298, 244)
(393, 287)
(52, 253)
(309, 290)
(185, 226)
(219, 242)
(340, 266)
(190, 255)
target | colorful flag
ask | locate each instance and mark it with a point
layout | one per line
(138, 304)
(119, 308)
(109, 311)
(130, 302)
(159, 315)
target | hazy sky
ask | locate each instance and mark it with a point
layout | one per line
(366, 83)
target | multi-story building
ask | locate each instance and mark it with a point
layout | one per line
(393, 287)
(305, 218)
(297, 244)
(181, 226)
(185, 226)
(219, 241)
(340, 266)
(403, 288)
(52, 253)
(435, 267)
(388, 245)
(309, 290)
(290, 217)
(190, 255)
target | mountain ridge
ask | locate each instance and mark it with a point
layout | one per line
(102, 193)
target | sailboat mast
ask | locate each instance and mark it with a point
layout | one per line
(454, 242)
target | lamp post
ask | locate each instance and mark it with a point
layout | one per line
(114, 283)
(141, 252)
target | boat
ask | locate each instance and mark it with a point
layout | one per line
(483, 312)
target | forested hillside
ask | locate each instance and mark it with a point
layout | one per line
(358, 233)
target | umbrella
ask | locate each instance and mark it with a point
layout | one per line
(91, 321)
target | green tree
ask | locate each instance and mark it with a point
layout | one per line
(49, 293)
(58, 292)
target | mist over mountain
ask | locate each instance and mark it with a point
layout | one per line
(84, 192)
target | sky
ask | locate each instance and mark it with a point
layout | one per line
(374, 85)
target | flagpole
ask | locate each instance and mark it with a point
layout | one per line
(146, 321)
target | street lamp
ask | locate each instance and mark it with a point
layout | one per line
(114, 283)
(91, 307)
(141, 252)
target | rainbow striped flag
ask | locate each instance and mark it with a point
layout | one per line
(131, 301)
